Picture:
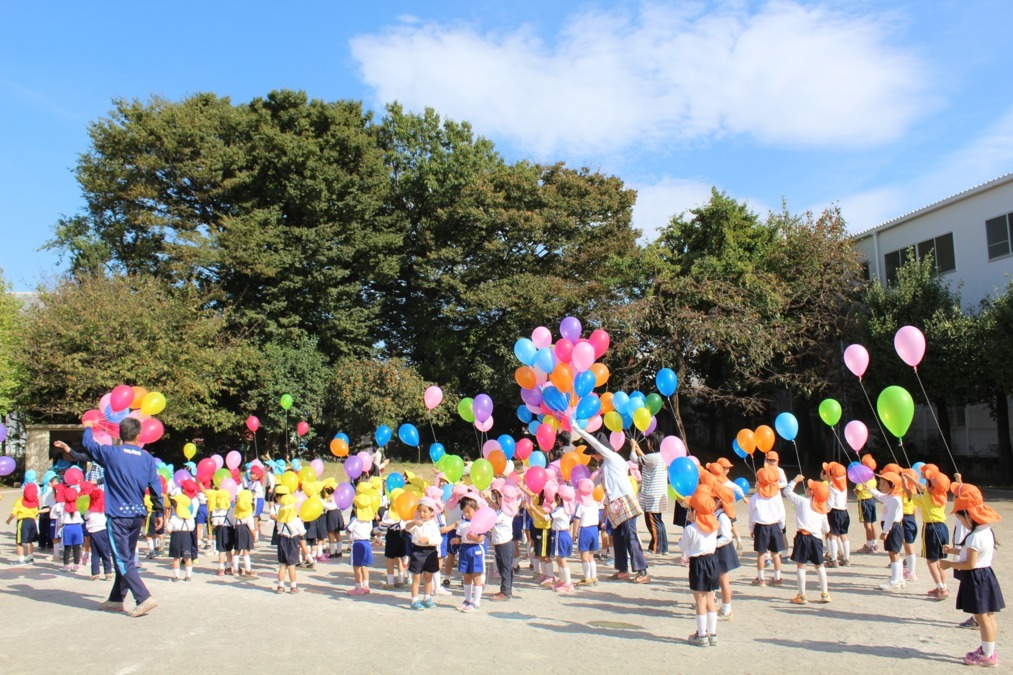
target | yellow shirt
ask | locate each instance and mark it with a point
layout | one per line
(21, 513)
(862, 489)
(931, 512)
(907, 505)
(539, 519)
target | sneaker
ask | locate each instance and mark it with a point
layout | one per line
(466, 607)
(95, 577)
(428, 604)
(187, 578)
(175, 579)
(242, 572)
(143, 608)
(594, 581)
(66, 568)
(294, 590)
(970, 623)
(446, 583)
(712, 640)
(280, 590)
(417, 606)
(943, 593)
(758, 582)
(321, 558)
(610, 561)
(358, 590)
(150, 556)
(978, 658)
(846, 562)
(110, 606)
(831, 564)
(933, 593)
(619, 576)
(365, 591)
(698, 640)
(910, 576)
(892, 586)
(799, 600)
(724, 616)
(777, 582)
(443, 591)
(230, 572)
(388, 587)
(31, 560)
(564, 588)
(825, 598)
(18, 563)
(642, 578)
(499, 597)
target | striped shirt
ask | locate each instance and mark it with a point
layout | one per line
(654, 486)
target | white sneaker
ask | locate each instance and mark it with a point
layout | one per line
(440, 590)
(892, 586)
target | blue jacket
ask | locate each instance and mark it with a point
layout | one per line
(129, 472)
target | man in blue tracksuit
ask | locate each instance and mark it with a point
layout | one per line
(129, 474)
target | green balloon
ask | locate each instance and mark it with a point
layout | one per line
(465, 411)
(481, 474)
(219, 476)
(286, 401)
(453, 467)
(83, 502)
(896, 409)
(830, 412)
(654, 403)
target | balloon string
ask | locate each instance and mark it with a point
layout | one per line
(936, 420)
(900, 442)
(875, 416)
(833, 430)
(797, 457)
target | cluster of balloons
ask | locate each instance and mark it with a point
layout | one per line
(127, 401)
(339, 445)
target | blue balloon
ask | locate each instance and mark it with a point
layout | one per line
(382, 435)
(436, 450)
(637, 401)
(684, 476)
(525, 350)
(545, 360)
(533, 426)
(619, 401)
(917, 466)
(394, 481)
(448, 490)
(738, 450)
(583, 384)
(115, 417)
(408, 434)
(627, 420)
(743, 485)
(555, 399)
(523, 414)
(786, 426)
(666, 381)
(296, 464)
(507, 445)
(537, 458)
(343, 437)
(588, 406)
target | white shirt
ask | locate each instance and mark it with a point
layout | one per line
(959, 532)
(615, 471)
(782, 480)
(730, 484)
(503, 531)
(95, 521)
(177, 524)
(360, 530)
(560, 519)
(587, 515)
(838, 499)
(695, 543)
(67, 518)
(893, 507)
(765, 510)
(982, 540)
(724, 529)
(294, 528)
(254, 486)
(463, 529)
(429, 530)
(805, 518)
(451, 516)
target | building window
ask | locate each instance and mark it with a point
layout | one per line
(997, 231)
(866, 272)
(940, 248)
(893, 262)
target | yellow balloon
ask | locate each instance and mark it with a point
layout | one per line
(634, 485)
(395, 493)
(642, 418)
(189, 450)
(307, 474)
(152, 403)
(613, 421)
(311, 509)
(290, 479)
(376, 501)
(552, 422)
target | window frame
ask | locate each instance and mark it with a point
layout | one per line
(1009, 238)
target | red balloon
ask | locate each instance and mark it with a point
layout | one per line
(600, 340)
(121, 397)
(524, 448)
(92, 416)
(252, 423)
(151, 431)
(546, 437)
(302, 428)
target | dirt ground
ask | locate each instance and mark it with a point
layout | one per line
(49, 622)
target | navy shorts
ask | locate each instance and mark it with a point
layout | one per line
(395, 544)
(910, 529)
(934, 537)
(180, 546)
(807, 550)
(840, 521)
(471, 559)
(562, 545)
(28, 531)
(867, 511)
(895, 539)
(541, 543)
(362, 553)
(704, 573)
(587, 538)
(424, 559)
(244, 538)
(288, 551)
(767, 538)
(518, 527)
(448, 548)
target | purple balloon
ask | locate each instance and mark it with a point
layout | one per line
(482, 407)
(3, 437)
(181, 476)
(652, 426)
(343, 495)
(570, 329)
(6, 466)
(859, 473)
(353, 467)
(533, 397)
(578, 473)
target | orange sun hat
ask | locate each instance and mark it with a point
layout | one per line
(766, 482)
(702, 502)
(821, 493)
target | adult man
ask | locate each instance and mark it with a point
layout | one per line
(129, 474)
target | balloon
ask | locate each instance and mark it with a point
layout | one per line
(765, 438)
(672, 448)
(546, 437)
(917, 468)
(353, 467)
(555, 399)
(318, 467)
(302, 428)
(737, 449)
(432, 397)
(653, 402)
(436, 451)
(233, 459)
(339, 447)
(121, 398)
(484, 426)
(382, 435)
(856, 358)
(89, 416)
(583, 356)
(601, 373)
(189, 450)
(583, 383)
(394, 481)
(482, 473)
(181, 476)
(409, 434)
(588, 407)
(642, 418)
(489, 446)
(498, 460)
(139, 394)
(115, 417)
(896, 409)
(535, 478)
(666, 381)
(524, 448)
(910, 345)
(541, 337)
(684, 476)
(562, 377)
(563, 350)
(859, 473)
(205, 465)
(72, 476)
(366, 460)
(617, 439)
(856, 434)
(290, 479)
(613, 421)
(218, 460)
(405, 505)
(786, 425)
(537, 459)
(525, 377)
(453, 467)
(600, 340)
(83, 502)
(153, 403)
(343, 495)
(151, 430)
(221, 474)
(743, 485)
(567, 463)
(545, 360)
(482, 407)
(285, 401)
(746, 440)
(311, 509)
(570, 328)
(464, 409)
(525, 350)
(482, 521)
(507, 445)
(830, 411)
(7, 465)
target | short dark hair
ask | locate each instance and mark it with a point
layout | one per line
(654, 440)
(468, 501)
(130, 429)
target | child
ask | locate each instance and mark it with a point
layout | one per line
(935, 538)
(698, 543)
(562, 546)
(73, 531)
(360, 533)
(179, 526)
(288, 530)
(471, 561)
(959, 488)
(56, 522)
(910, 524)
(585, 529)
(507, 501)
(394, 547)
(203, 532)
(540, 536)
(152, 533)
(810, 524)
(979, 593)
(766, 513)
(426, 538)
(727, 557)
(47, 499)
(839, 519)
(888, 495)
(223, 528)
(867, 507)
(436, 495)
(246, 531)
(25, 511)
(255, 484)
(95, 523)
(334, 520)
(451, 515)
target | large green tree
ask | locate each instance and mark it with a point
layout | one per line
(12, 375)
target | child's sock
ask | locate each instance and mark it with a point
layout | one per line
(760, 574)
(585, 568)
(21, 558)
(467, 593)
(801, 580)
(821, 572)
(988, 648)
(151, 545)
(246, 562)
(365, 584)
(415, 599)
(436, 580)
(777, 575)
(189, 571)
(846, 549)
(833, 549)
(941, 585)
(871, 543)
(712, 623)
(701, 624)
(175, 572)
(594, 569)
(333, 548)
(390, 579)
(428, 597)
(911, 561)
(896, 570)
(221, 565)
(726, 608)
(566, 575)
(476, 595)
(295, 585)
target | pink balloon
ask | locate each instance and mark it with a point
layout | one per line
(694, 460)
(233, 459)
(252, 423)
(482, 521)
(856, 358)
(910, 345)
(121, 397)
(102, 438)
(217, 459)
(672, 447)
(489, 447)
(484, 426)
(151, 431)
(594, 424)
(856, 434)
(433, 397)
(302, 428)
(92, 416)
(583, 356)
(300, 497)
(540, 378)
(105, 401)
(542, 337)
(617, 439)
(523, 449)
(563, 350)
(535, 478)
(229, 485)
(546, 437)
(318, 467)
(600, 340)
(366, 459)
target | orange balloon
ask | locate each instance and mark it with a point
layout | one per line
(562, 377)
(606, 402)
(765, 438)
(525, 377)
(746, 441)
(339, 448)
(498, 461)
(599, 493)
(601, 373)
(581, 457)
(567, 463)
(139, 394)
(405, 505)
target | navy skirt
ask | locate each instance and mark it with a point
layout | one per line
(840, 521)
(807, 550)
(979, 592)
(728, 559)
(335, 520)
(395, 544)
(895, 539)
(244, 538)
(180, 545)
(704, 573)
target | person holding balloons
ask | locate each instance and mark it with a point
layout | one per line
(889, 495)
(334, 519)
(867, 507)
(179, 526)
(360, 533)
(725, 549)
(931, 500)
(287, 535)
(699, 543)
(425, 556)
(811, 525)
(246, 532)
(766, 516)
(653, 491)
(562, 542)
(507, 499)
(585, 530)
(223, 524)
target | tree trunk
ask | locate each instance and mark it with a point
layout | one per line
(678, 419)
(943, 415)
(1002, 431)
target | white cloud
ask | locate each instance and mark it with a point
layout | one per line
(658, 202)
(784, 74)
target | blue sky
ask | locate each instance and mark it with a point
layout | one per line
(882, 107)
